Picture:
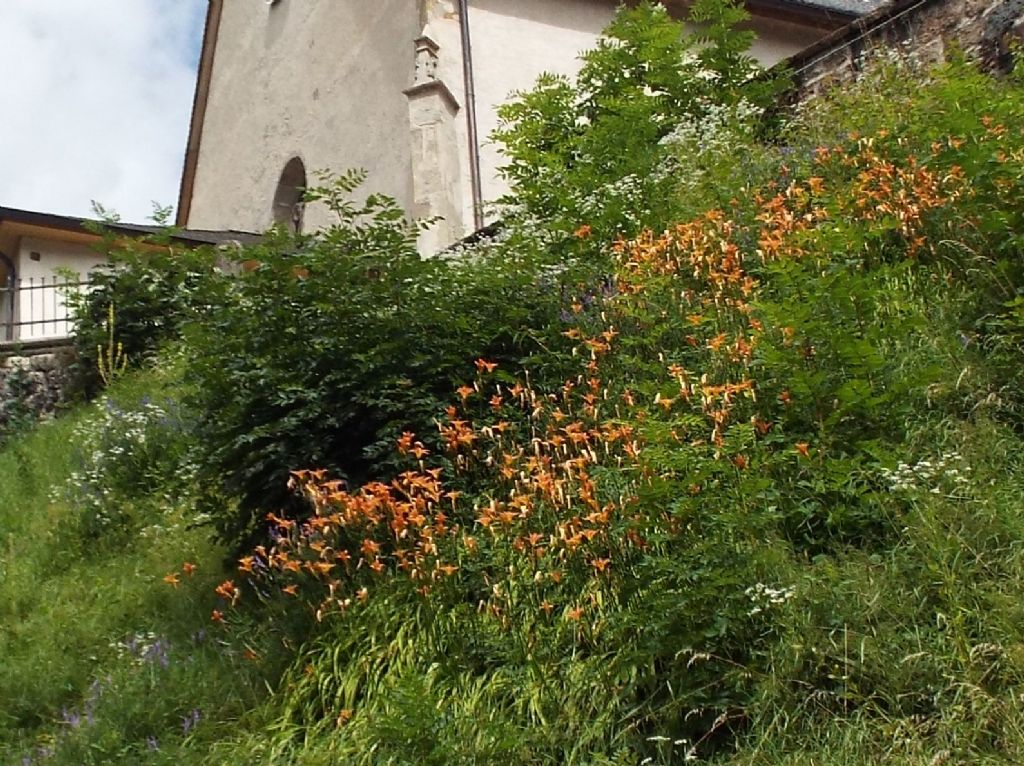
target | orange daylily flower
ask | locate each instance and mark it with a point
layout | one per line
(188, 568)
(227, 590)
(482, 365)
(172, 579)
(803, 448)
(404, 442)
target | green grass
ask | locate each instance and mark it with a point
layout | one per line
(895, 634)
(69, 680)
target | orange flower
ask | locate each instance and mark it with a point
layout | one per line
(600, 565)
(291, 590)
(740, 461)
(482, 365)
(172, 579)
(465, 392)
(370, 548)
(574, 614)
(188, 568)
(217, 616)
(583, 232)
(227, 590)
(803, 448)
(405, 441)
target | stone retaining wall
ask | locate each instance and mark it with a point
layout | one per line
(928, 29)
(33, 384)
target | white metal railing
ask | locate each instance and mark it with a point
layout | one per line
(36, 308)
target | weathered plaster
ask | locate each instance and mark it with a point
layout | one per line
(335, 83)
(320, 80)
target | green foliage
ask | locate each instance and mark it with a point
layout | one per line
(326, 347)
(811, 519)
(595, 150)
(101, 660)
(133, 466)
(153, 286)
(16, 414)
(743, 489)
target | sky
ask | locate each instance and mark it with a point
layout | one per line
(96, 97)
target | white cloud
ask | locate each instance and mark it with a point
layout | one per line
(95, 100)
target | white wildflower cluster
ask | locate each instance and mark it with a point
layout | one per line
(136, 646)
(697, 143)
(942, 475)
(764, 597)
(688, 755)
(121, 450)
(624, 195)
(713, 127)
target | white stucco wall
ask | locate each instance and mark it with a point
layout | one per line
(318, 80)
(39, 298)
(325, 80)
(514, 42)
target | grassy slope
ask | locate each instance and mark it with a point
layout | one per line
(65, 684)
(903, 643)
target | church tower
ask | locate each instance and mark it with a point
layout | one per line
(405, 89)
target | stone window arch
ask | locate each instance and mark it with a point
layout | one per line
(288, 203)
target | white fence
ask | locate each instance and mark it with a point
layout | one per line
(35, 309)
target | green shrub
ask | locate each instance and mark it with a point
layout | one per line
(154, 287)
(598, 149)
(326, 347)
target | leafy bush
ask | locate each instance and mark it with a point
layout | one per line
(598, 149)
(326, 347)
(153, 286)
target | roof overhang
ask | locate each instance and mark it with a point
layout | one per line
(16, 223)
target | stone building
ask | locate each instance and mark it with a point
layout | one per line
(406, 89)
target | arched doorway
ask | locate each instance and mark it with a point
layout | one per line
(288, 204)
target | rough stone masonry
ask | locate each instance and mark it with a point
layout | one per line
(33, 384)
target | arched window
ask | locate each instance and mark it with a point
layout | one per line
(288, 204)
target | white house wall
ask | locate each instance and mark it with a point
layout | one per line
(320, 80)
(40, 265)
(328, 81)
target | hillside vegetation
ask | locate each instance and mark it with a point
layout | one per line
(713, 454)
